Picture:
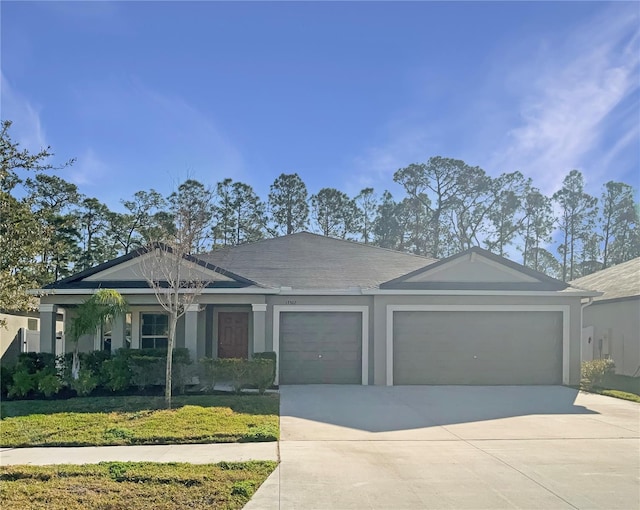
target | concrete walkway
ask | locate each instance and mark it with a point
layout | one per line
(193, 453)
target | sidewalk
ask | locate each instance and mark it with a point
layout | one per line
(193, 453)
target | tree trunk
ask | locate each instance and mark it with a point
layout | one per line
(170, 343)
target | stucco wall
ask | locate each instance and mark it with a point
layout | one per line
(617, 324)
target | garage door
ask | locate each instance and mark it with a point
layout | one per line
(320, 348)
(477, 347)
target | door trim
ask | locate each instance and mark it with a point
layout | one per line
(364, 310)
(566, 331)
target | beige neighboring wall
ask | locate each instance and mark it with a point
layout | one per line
(617, 324)
(9, 342)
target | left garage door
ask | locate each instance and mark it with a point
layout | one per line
(320, 348)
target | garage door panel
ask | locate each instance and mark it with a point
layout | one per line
(320, 347)
(477, 347)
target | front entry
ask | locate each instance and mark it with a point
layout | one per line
(233, 335)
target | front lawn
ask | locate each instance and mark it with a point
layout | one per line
(132, 485)
(101, 421)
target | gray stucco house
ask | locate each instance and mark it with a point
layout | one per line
(346, 313)
(612, 322)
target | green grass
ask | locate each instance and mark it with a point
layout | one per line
(132, 485)
(101, 421)
(619, 386)
(625, 395)
(621, 382)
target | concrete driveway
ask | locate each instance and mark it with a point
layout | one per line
(454, 447)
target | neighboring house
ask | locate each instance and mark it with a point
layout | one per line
(612, 322)
(342, 312)
(20, 333)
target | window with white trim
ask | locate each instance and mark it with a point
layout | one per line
(154, 330)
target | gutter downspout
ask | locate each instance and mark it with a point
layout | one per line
(582, 307)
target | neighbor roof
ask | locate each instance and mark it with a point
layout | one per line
(311, 261)
(617, 282)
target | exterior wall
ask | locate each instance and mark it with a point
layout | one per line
(479, 271)
(617, 324)
(10, 335)
(377, 327)
(380, 323)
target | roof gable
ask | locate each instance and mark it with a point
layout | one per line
(475, 269)
(128, 271)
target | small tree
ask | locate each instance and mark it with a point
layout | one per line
(174, 275)
(104, 305)
(177, 280)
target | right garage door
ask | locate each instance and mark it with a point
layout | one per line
(460, 347)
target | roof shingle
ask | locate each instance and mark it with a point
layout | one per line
(619, 281)
(311, 261)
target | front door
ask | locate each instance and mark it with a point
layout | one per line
(233, 335)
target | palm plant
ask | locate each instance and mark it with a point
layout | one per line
(104, 305)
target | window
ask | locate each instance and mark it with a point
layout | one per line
(32, 324)
(154, 330)
(105, 336)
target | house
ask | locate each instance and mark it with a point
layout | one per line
(612, 322)
(342, 312)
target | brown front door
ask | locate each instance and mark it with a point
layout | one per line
(233, 335)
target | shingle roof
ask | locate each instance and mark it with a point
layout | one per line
(311, 261)
(619, 281)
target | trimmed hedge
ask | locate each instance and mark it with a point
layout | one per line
(43, 374)
(37, 375)
(258, 372)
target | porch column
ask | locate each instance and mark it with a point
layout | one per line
(48, 327)
(117, 332)
(259, 327)
(191, 330)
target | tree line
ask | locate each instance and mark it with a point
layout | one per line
(50, 230)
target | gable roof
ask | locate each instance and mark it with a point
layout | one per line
(89, 278)
(621, 281)
(311, 261)
(489, 272)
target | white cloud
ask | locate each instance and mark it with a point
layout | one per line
(27, 127)
(564, 105)
(88, 170)
(405, 144)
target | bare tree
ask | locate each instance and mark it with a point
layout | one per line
(176, 277)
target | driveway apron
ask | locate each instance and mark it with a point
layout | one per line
(415, 447)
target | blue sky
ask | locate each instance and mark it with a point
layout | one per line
(146, 94)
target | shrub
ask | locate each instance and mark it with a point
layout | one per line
(147, 371)
(593, 372)
(236, 370)
(268, 355)
(181, 375)
(48, 383)
(6, 377)
(23, 383)
(33, 362)
(262, 373)
(117, 373)
(208, 373)
(85, 383)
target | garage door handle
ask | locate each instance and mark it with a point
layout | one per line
(319, 356)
